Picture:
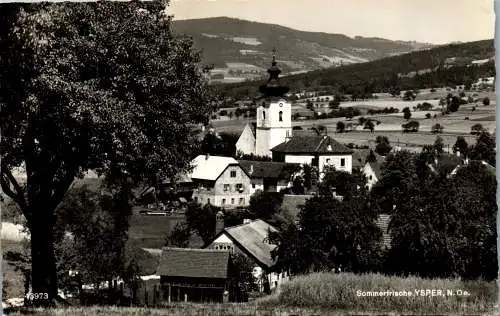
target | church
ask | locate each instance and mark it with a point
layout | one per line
(272, 134)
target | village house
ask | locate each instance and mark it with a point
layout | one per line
(269, 176)
(197, 275)
(251, 240)
(317, 151)
(220, 182)
(373, 173)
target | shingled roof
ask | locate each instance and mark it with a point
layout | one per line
(312, 144)
(194, 263)
(269, 169)
(251, 238)
(360, 155)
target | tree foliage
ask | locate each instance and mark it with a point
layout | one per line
(103, 86)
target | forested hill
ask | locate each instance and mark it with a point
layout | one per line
(441, 66)
(226, 41)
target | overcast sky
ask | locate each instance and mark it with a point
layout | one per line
(431, 21)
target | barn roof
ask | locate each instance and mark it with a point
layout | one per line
(252, 239)
(194, 263)
(312, 144)
(269, 169)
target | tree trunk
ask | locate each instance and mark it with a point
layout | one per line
(44, 277)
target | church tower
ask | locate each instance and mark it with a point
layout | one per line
(274, 114)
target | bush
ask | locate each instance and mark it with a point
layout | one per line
(428, 115)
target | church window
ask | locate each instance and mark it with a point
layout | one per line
(281, 116)
(263, 115)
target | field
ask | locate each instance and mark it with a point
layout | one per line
(335, 294)
(455, 124)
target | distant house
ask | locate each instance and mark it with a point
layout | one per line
(269, 176)
(197, 275)
(318, 151)
(445, 163)
(220, 182)
(373, 173)
(251, 239)
(492, 170)
(359, 158)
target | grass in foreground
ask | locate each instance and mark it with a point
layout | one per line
(332, 294)
(340, 291)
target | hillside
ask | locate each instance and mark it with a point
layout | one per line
(440, 66)
(238, 47)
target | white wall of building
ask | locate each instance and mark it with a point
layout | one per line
(271, 131)
(340, 162)
(302, 159)
(371, 178)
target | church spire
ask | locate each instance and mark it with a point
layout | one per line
(273, 87)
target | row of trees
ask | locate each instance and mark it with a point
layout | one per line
(440, 226)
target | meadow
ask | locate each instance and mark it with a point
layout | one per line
(334, 294)
(455, 124)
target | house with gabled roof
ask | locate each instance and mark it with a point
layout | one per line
(373, 173)
(270, 176)
(251, 240)
(489, 168)
(318, 151)
(360, 156)
(220, 181)
(197, 275)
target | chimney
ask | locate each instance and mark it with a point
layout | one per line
(219, 222)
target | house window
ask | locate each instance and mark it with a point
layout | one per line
(232, 201)
(371, 177)
(328, 161)
(242, 201)
(281, 116)
(223, 201)
(263, 115)
(233, 173)
(239, 187)
(342, 162)
(227, 187)
(253, 185)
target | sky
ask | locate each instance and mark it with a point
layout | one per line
(429, 21)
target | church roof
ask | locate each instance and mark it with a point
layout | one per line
(312, 144)
(273, 88)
